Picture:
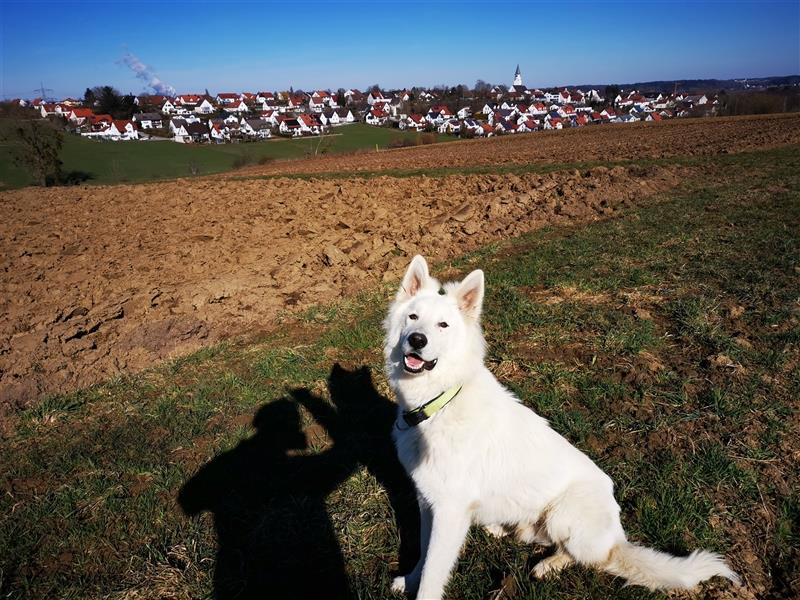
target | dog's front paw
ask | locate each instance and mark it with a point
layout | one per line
(399, 584)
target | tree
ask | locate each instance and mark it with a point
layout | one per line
(481, 87)
(612, 91)
(37, 146)
(89, 98)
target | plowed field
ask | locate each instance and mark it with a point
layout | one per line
(99, 281)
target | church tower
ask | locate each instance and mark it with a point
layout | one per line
(517, 77)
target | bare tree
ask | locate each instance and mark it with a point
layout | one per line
(36, 148)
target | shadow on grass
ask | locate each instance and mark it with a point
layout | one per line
(275, 537)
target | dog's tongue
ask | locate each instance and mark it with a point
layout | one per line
(414, 362)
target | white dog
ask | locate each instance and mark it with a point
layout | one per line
(477, 455)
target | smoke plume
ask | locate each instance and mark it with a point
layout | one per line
(146, 74)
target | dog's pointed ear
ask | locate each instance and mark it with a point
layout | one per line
(469, 294)
(416, 277)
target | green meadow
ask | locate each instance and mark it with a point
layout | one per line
(105, 162)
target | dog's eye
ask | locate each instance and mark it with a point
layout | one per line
(413, 317)
(443, 324)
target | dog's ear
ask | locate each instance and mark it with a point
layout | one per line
(415, 278)
(469, 294)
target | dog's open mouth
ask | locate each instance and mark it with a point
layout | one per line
(413, 363)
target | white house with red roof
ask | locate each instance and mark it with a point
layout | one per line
(78, 116)
(48, 109)
(320, 100)
(376, 116)
(413, 121)
(121, 130)
(226, 98)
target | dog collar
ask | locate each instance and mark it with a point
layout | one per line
(430, 408)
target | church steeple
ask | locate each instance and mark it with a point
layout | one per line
(517, 77)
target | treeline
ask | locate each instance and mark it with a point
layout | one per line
(106, 100)
(763, 102)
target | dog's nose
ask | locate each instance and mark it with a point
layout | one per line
(417, 340)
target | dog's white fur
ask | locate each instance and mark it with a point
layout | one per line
(487, 459)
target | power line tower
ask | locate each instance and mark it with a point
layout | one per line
(43, 91)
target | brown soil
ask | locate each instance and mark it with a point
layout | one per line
(99, 281)
(678, 138)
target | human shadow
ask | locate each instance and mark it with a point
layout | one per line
(268, 494)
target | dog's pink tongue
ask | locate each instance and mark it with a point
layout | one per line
(413, 362)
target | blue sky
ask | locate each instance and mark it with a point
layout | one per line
(249, 46)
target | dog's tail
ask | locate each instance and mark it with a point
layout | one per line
(659, 570)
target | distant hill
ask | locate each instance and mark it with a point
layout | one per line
(701, 85)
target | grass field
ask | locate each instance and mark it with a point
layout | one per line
(121, 162)
(663, 343)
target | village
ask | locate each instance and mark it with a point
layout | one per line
(232, 117)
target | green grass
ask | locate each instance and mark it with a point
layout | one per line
(605, 329)
(131, 162)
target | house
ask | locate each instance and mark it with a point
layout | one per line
(320, 100)
(267, 98)
(270, 116)
(378, 97)
(527, 126)
(376, 116)
(256, 128)
(78, 116)
(354, 97)
(188, 101)
(187, 132)
(238, 107)
(577, 97)
(148, 120)
(345, 115)
(309, 124)
(503, 126)
(452, 126)
(537, 108)
(338, 116)
(502, 114)
(415, 121)
(488, 130)
(653, 116)
(204, 107)
(566, 112)
(296, 101)
(218, 133)
(121, 130)
(473, 126)
(553, 123)
(439, 114)
(581, 120)
(696, 100)
(464, 113)
(289, 126)
(329, 117)
(99, 122)
(47, 109)
(168, 107)
(226, 98)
